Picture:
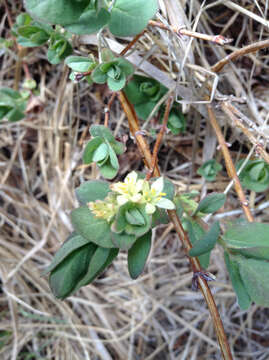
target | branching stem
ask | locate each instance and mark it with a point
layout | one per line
(240, 52)
(159, 138)
(196, 267)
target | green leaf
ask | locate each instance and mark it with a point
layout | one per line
(125, 66)
(209, 170)
(61, 12)
(207, 242)
(116, 84)
(108, 171)
(159, 217)
(98, 76)
(94, 229)
(80, 63)
(255, 274)
(103, 132)
(123, 241)
(121, 223)
(196, 232)
(249, 239)
(243, 297)
(255, 175)
(176, 121)
(168, 189)
(210, 204)
(72, 243)
(89, 22)
(118, 147)
(129, 17)
(92, 190)
(65, 276)
(12, 104)
(34, 34)
(100, 153)
(113, 158)
(134, 217)
(101, 259)
(138, 254)
(59, 49)
(90, 149)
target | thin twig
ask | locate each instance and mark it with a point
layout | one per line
(159, 138)
(240, 52)
(231, 111)
(229, 164)
(108, 108)
(217, 39)
(135, 39)
(194, 262)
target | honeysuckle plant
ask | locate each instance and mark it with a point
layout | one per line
(112, 217)
(121, 215)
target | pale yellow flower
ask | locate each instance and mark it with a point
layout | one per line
(153, 196)
(105, 209)
(129, 190)
(133, 190)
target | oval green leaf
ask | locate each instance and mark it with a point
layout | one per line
(65, 276)
(61, 12)
(207, 242)
(92, 190)
(94, 229)
(101, 259)
(89, 22)
(243, 297)
(90, 149)
(249, 239)
(79, 63)
(138, 254)
(210, 204)
(123, 241)
(72, 243)
(255, 275)
(129, 17)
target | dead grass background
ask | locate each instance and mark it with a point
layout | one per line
(156, 316)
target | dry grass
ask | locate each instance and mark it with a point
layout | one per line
(156, 316)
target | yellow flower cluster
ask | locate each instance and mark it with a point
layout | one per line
(132, 190)
(105, 209)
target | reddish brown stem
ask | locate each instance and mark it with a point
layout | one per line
(159, 138)
(229, 164)
(107, 110)
(196, 267)
(240, 52)
(135, 39)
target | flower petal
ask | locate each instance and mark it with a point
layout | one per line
(131, 178)
(158, 185)
(121, 200)
(165, 204)
(150, 209)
